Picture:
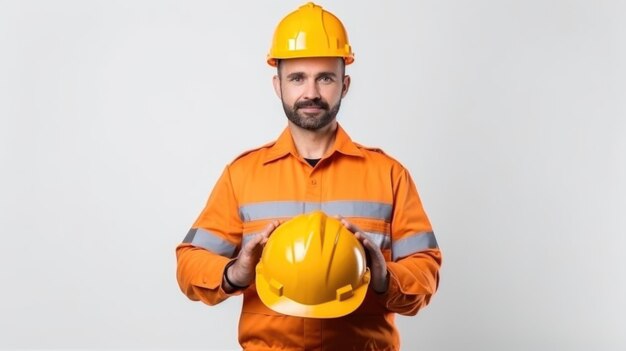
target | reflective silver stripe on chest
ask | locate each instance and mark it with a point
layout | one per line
(287, 209)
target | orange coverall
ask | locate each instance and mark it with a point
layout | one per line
(367, 187)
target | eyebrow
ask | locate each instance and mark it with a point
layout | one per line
(295, 75)
(327, 74)
(321, 74)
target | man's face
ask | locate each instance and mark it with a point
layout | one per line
(311, 90)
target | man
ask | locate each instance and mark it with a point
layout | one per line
(313, 166)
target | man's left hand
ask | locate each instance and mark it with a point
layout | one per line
(378, 266)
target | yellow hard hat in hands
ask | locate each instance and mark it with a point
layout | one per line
(312, 266)
(310, 31)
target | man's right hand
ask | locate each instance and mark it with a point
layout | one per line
(242, 272)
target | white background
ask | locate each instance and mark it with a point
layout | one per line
(117, 117)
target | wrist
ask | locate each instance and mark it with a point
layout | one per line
(383, 284)
(232, 279)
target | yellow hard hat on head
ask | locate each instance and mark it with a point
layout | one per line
(310, 31)
(312, 266)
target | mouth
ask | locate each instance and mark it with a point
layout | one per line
(311, 106)
(311, 109)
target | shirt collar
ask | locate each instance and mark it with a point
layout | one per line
(284, 146)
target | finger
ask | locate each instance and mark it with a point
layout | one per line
(373, 249)
(256, 240)
(367, 244)
(370, 246)
(360, 236)
(269, 228)
(265, 234)
(351, 227)
(345, 223)
(253, 242)
(375, 254)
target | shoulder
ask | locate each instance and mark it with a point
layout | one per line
(369, 148)
(252, 153)
(251, 156)
(376, 154)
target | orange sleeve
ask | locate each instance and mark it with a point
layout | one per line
(416, 259)
(211, 243)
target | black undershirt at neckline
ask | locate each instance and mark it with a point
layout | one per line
(312, 161)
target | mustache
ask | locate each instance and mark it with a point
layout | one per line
(311, 103)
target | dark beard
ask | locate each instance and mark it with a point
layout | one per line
(309, 122)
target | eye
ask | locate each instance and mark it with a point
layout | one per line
(296, 78)
(326, 79)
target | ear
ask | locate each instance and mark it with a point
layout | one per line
(346, 85)
(276, 83)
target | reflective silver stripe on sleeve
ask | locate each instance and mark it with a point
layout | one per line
(412, 244)
(381, 240)
(287, 209)
(209, 241)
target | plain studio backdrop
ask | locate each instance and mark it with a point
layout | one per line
(117, 117)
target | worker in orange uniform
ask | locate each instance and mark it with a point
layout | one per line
(313, 166)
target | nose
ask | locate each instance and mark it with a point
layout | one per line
(311, 90)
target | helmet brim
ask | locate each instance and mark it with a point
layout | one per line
(331, 309)
(273, 60)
